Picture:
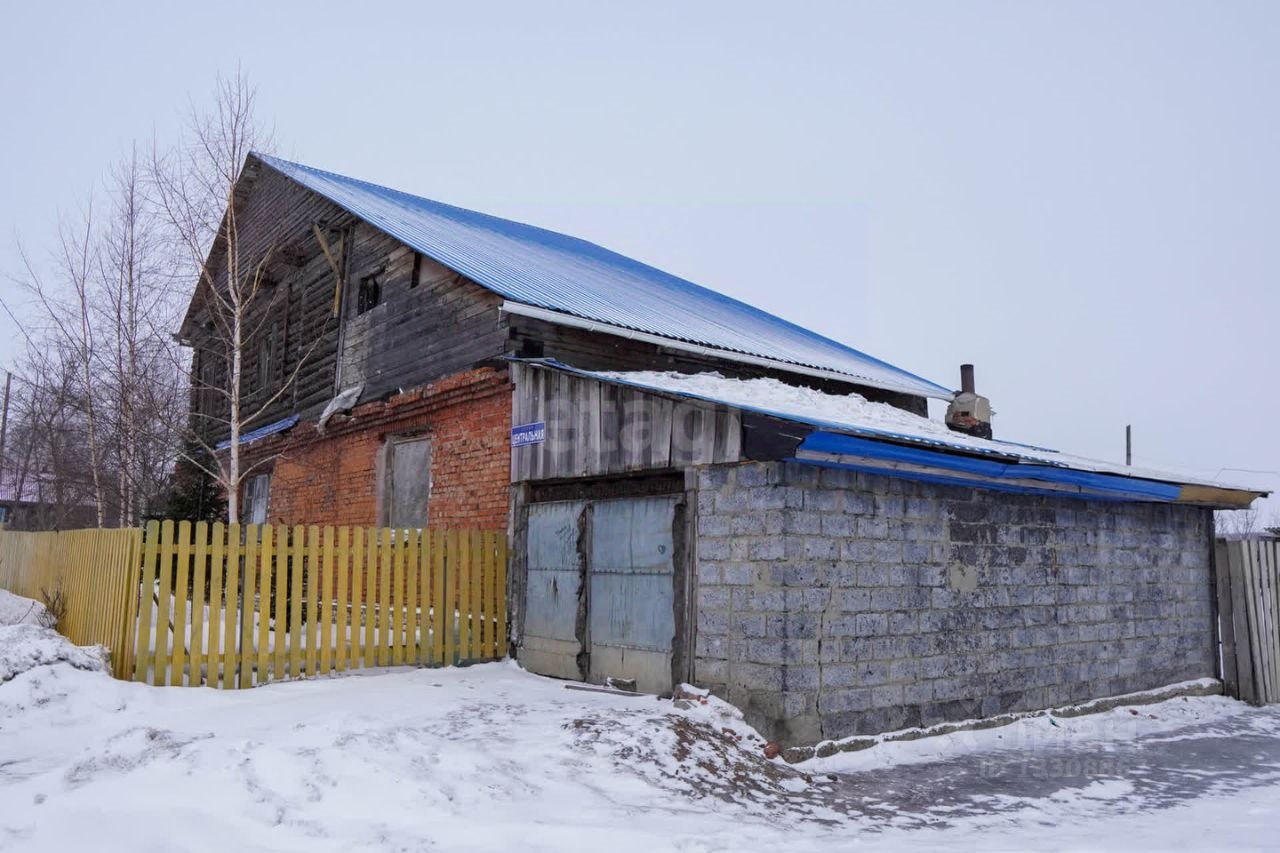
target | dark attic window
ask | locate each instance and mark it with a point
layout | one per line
(368, 294)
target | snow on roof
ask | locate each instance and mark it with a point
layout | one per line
(542, 269)
(855, 414)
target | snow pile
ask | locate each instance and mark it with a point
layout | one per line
(490, 758)
(854, 412)
(25, 647)
(16, 610)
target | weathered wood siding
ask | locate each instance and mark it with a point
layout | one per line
(595, 428)
(429, 321)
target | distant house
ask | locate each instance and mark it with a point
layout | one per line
(41, 503)
(695, 489)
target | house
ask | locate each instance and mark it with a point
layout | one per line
(42, 502)
(696, 490)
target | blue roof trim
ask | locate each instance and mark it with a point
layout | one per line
(991, 472)
(261, 432)
(541, 268)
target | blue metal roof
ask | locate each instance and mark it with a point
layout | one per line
(555, 272)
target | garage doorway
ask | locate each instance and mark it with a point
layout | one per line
(602, 599)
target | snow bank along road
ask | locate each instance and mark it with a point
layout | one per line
(491, 758)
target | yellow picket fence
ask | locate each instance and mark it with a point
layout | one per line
(92, 572)
(237, 606)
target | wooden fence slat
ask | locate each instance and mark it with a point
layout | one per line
(453, 580)
(266, 596)
(490, 635)
(129, 589)
(248, 604)
(142, 658)
(358, 593)
(231, 597)
(371, 597)
(501, 588)
(280, 605)
(181, 601)
(343, 604)
(1263, 654)
(312, 585)
(397, 598)
(1226, 625)
(163, 612)
(326, 603)
(1240, 614)
(198, 580)
(438, 607)
(1266, 577)
(477, 594)
(1255, 622)
(384, 596)
(217, 578)
(411, 575)
(424, 598)
(298, 543)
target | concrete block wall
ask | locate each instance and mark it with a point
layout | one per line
(831, 603)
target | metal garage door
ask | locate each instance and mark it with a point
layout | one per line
(624, 624)
(551, 645)
(631, 607)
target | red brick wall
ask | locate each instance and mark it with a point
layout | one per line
(333, 478)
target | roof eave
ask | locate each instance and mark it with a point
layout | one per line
(565, 319)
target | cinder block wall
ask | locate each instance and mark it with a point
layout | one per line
(832, 603)
(333, 478)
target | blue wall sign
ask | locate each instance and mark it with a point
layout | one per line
(525, 434)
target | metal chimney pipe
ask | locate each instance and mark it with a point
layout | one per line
(966, 378)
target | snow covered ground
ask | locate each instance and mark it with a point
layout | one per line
(492, 758)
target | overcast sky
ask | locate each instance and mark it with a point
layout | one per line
(1080, 198)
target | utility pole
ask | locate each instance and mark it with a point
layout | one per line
(4, 421)
(1128, 444)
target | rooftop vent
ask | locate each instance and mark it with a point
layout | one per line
(969, 412)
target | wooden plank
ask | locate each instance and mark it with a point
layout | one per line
(387, 543)
(326, 603)
(397, 597)
(231, 593)
(217, 580)
(1262, 652)
(249, 605)
(1271, 620)
(182, 600)
(198, 583)
(1239, 611)
(463, 600)
(412, 573)
(449, 600)
(503, 594)
(1256, 630)
(491, 595)
(298, 544)
(312, 586)
(477, 595)
(424, 598)
(342, 636)
(130, 590)
(1272, 559)
(142, 655)
(371, 598)
(1226, 625)
(278, 614)
(266, 596)
(437, 598)
(164, 611)
(357, 597)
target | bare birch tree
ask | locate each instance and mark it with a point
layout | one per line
(194, 186)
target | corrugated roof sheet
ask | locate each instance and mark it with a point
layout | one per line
(542, 268)
(879, 423)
